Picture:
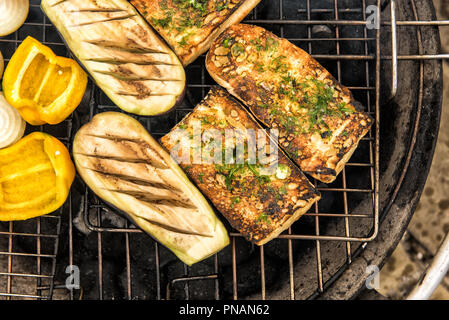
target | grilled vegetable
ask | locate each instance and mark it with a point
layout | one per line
(35, 177)
(12, 125)
(287, 89)
(128, 61)
(189, 26)
(128, 169)
(260, 197)
(13, 14)
(43, 87)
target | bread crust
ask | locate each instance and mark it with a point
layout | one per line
(262, 77)
(264, 208)
(200, 38)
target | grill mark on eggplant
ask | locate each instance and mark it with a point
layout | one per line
(119, 62)
(129, 160)
(96, 10)
(163, 212)
(170, 228)
(132, 48)
(104, 20)
(149, 95)
(135, 180)
(116, 138)
(161, 162)
(154, 199)
(166, 213)
(124, 77)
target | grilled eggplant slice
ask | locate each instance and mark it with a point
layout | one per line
(189, 26)
(127, 60)
(285, 88)
(259, 198)
(128, 169)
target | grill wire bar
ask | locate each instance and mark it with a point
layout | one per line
(48, 228)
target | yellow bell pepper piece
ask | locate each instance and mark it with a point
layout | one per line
(35, 177)
(43, 87)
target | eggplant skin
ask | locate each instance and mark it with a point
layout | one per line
(123, 165)
(121, 52)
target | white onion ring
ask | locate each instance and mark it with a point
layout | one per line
(13, 14)
(12, 126)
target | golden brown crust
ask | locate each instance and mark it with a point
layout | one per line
(191, 32)
(260, 207)
(286, 88)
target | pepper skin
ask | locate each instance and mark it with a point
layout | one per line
(35, 177)
(43, 87)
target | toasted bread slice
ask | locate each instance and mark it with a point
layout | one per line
(285, 88)
(257, 201)
(189, 27)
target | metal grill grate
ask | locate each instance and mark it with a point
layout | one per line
(28, 249)
(277, 19)
(332, 31)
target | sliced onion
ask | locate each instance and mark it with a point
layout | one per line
(12, 126)
(13, 14)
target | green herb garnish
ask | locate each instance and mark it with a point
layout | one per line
(264, 217)
(226, 42)
(164, 22)
(283, 190)
(260, 67)
(237, 49)
(235, 200)
(183, 41)
(223, 5)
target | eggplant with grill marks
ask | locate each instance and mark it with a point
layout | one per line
(127, 60)
(128, 169)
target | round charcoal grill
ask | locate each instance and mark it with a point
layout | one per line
(394, 71)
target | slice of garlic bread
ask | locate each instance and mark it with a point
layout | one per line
(259, 198)
(285, 88)
(189, 26)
